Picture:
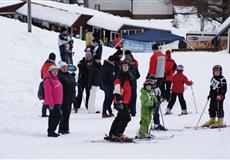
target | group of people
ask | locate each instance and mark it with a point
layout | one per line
(118, 79)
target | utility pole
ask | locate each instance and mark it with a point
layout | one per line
(29, 19)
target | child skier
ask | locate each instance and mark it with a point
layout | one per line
(218, 89)
(148, 102)
(178, 80)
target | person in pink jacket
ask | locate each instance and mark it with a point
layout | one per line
(53, 98)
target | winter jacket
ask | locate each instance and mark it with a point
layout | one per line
(88, 39)
(53, 91)
(83, 72)
(218, 86)
(107, 74)
(96, 48)
(122, 88)
(153, 62)
(178, 80)
(118, 42)
(117, 64)
(94, 74)
(69, 83)
(46, 66)
(170, 67)
(148, 101)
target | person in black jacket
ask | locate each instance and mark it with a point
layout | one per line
(107, 80)
(96, 47)
(69, 83)
(83, 80)
(218, 89)
(93, 82)
(133, 65)
(118, 56)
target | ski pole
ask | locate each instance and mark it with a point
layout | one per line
(194, 99)
(218, 113)
(202, 114)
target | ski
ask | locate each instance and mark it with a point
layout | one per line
(201, 127)
(184, 114)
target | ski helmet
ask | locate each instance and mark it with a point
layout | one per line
(180, 68)
(217, 67)
(150, 82)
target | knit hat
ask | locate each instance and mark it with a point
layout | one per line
(119, 52)
(53, 67)
(128, 52)
(88, 55)
(111, 58)
(155, 47)
(52, 56)
(62, 64)
(63, 29)
(168, 52)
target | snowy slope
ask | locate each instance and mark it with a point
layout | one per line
(23, 131)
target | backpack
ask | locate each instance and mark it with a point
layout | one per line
(41, 92)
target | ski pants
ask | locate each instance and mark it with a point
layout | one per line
(156, 116)
(64, 123)
(78, 100)
(54, 118)
(132, 105)
(216, 108)
(92, 99)
(145, 122)
(173, 100)
(108, 90)
(120, 122)
(166, 90)
(44, 109)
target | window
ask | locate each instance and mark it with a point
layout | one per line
(97, 7)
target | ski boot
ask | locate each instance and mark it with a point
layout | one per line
(168, 111)
(184, 112)
(218, 123)
(159, 127)
(209, 123)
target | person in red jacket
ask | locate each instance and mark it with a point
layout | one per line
(122, 97)
(178, 80)
(170, 68)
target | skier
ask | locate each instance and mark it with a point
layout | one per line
(170, 68)
(96, 47)
(178, 80)
(133, 64)
(107, 80)
(118, 56)
(159, 81)
(53, 98)
(148, 102)
(83, 80)
(218, 89)
(122, 97)
(65, 44)
(93, 82)
(44, 71)
(69, 83)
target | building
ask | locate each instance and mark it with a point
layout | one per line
(137, 9)
(8, 8)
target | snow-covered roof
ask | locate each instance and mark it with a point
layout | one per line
(6, 3)
(223, 27)
(50, 14)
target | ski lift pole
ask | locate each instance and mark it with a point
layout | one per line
(194, 99)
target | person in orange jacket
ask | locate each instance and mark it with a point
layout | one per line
(170, 68)
(178, 80)
(44, 71)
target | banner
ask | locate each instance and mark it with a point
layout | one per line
(137, 46)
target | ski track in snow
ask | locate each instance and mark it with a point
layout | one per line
(23, 131)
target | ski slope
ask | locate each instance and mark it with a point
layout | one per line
(23, 131)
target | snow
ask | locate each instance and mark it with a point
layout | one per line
(5, 3)
(23, 131)
(224, 26)
(50, 14)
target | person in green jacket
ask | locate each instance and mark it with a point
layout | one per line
(148, 102)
